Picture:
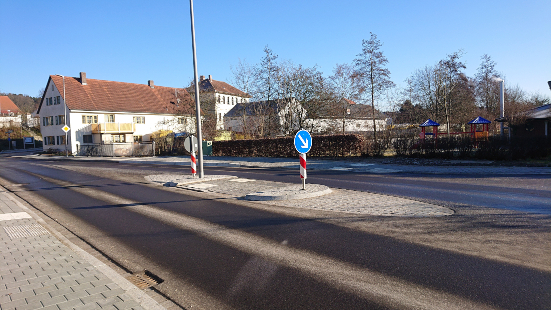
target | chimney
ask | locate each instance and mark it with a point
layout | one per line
(83, 78)
(201, 78)
(210, 77)
(150, 83)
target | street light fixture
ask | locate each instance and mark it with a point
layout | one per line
(501, 103)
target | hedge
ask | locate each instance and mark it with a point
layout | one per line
(330, 146)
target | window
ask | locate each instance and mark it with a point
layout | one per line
(49, 140)
(219, 116)
(55, 100)
(89, 119)
(119, 138)
(50, 120)
(87, 139)
(61, 119)
(138, 139)
(110, 118)
(232, 100)
(182, 121)
(56, 120)
(58, 99)
(139, 119)
(224, 100)
(60, 140)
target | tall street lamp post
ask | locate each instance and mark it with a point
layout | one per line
(197, 103)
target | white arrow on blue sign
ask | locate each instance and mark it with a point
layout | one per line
(303, 141)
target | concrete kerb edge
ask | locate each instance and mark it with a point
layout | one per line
(188, 179)
(141, 297)
(276, 194)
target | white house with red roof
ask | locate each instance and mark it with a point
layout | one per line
(105, 112)
(7, 107)
(218, 98)
(8, 112)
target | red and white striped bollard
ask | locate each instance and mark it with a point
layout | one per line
(303, 169)
(193, 164)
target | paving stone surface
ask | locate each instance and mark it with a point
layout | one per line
(337, 200)
(38, 271)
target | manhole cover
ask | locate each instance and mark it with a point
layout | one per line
(144, 280)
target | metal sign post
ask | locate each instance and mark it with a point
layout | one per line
(303, 144)
(9, 139)
(66, 130)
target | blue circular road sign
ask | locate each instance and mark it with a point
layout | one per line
(303, 141)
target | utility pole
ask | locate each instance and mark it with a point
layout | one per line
(197, 103)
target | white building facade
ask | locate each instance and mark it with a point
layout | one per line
(105, 112)
(218, 98)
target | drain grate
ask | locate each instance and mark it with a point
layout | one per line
(144, 280)
(23, 231)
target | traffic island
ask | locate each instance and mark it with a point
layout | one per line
(170, 180)
(290, 192)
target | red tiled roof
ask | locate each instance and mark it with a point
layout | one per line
(99, 95)
(6, 104)
(207, 85)
(349, 101)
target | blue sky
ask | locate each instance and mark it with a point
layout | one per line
(136, 41)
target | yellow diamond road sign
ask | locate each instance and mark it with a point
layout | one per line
(66, 128)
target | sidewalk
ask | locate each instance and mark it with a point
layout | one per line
(41, 269)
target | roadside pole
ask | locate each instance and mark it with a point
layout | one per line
(197, 103)
(303, 169)
(303, 144)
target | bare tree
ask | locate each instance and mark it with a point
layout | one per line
(302, 93)
(374, 77)
(487, 87)
(265, 75)
(345, 88)
(243, 75)
(447, 74)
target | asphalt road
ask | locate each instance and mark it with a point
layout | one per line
(218, 253)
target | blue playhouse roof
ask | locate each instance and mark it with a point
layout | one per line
(429, 122)
(480, 120)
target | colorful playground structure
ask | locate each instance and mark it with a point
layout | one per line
(477, 133)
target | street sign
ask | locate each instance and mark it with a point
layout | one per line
(303, 141)
(190, 142)
(65, 128)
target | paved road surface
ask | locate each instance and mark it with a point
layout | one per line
(217, 252)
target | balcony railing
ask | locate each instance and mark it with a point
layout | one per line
(113, 128)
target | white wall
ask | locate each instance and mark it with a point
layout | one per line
(223, 108)
(53, 110)
(351, 125)
(78, 129)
